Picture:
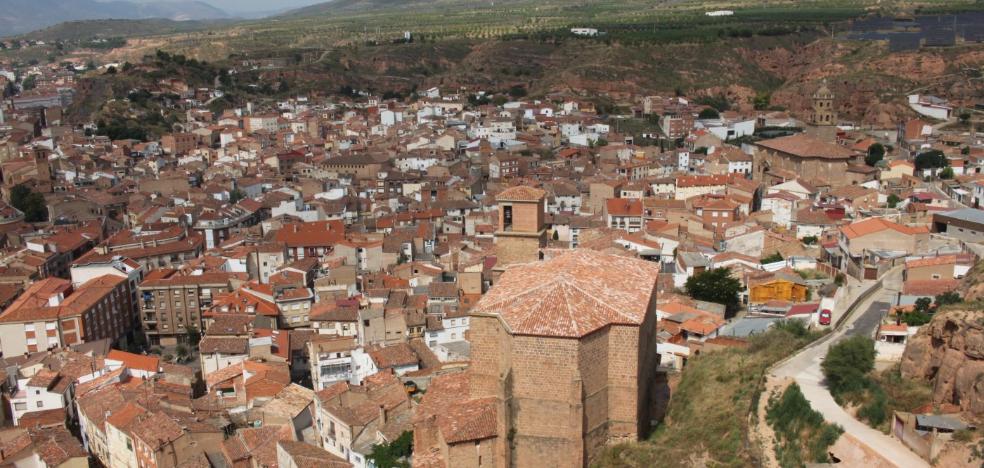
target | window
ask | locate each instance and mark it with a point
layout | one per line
(20, 406)
(129, 445)
(40, 404)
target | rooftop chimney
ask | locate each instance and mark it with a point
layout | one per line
(382, 414)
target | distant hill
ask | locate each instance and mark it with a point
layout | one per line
(22, 16)
(88, 29)
(353, 6)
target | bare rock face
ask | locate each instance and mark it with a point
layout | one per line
(973, 289)
(949, 352)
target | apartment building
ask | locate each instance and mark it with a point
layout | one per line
(172, 303)
(51, 314)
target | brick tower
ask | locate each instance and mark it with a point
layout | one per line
(521, 232)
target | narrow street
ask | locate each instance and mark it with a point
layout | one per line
(804, 368)
(936, 188)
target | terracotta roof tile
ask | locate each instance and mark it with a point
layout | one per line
(572, 294)
(806, 146)
(521, 193)
(135, 361)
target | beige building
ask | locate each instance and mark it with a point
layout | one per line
(802, 156)
(171, 303)
(881, 234)
(563, 356)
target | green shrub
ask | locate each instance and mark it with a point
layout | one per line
(797, 424)
(847, 364)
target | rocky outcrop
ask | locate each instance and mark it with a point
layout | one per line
(973, 289)
(949, 352)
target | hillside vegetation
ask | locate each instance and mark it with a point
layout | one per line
(709, 412)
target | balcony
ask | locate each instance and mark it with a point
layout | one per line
(150, 319)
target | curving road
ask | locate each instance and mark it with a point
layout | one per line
(804, 368)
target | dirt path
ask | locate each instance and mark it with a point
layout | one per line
(761, 432)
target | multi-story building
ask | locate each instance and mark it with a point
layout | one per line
(163, 247)
(217, 226)
(51, 314)
(350, 418)
(331, 359)
(314, 239)
(624, 213)
(171, 303)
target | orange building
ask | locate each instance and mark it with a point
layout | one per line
(779, 286)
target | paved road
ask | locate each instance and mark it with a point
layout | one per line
(804, 368)
(866, 323)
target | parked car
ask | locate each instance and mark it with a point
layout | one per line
(825, 317)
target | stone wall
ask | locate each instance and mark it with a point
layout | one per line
(544, 402)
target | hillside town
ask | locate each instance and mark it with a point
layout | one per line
(495, 280)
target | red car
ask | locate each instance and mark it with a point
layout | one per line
(825, 317)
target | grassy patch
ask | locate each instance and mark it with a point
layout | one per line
(801, 431)
(884, 393)
(708, 415)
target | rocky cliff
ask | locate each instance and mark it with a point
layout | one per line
(949, 352)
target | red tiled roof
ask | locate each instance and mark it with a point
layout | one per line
(806, 146)
(875, 225)
(930, 287)
(572, 294)
(313, 234)
(135, 361)
(623, 207)
(468, 421)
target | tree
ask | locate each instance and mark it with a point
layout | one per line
(775, 257)
(31, 203)
(709, 113)
(235, 195)
(916, 318)
(893, 200)
(964, 117)
(810, 240)
(931, 159)
(847, 364)
(29, 82)
(601, 142)
(947, 298)
(182, 351)
(924, 305)
(394, 454)
(716, 286)
(761, 101)
(876, 152)
(192, 335)
(517, 91)
(111, 71)
(946, 173)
